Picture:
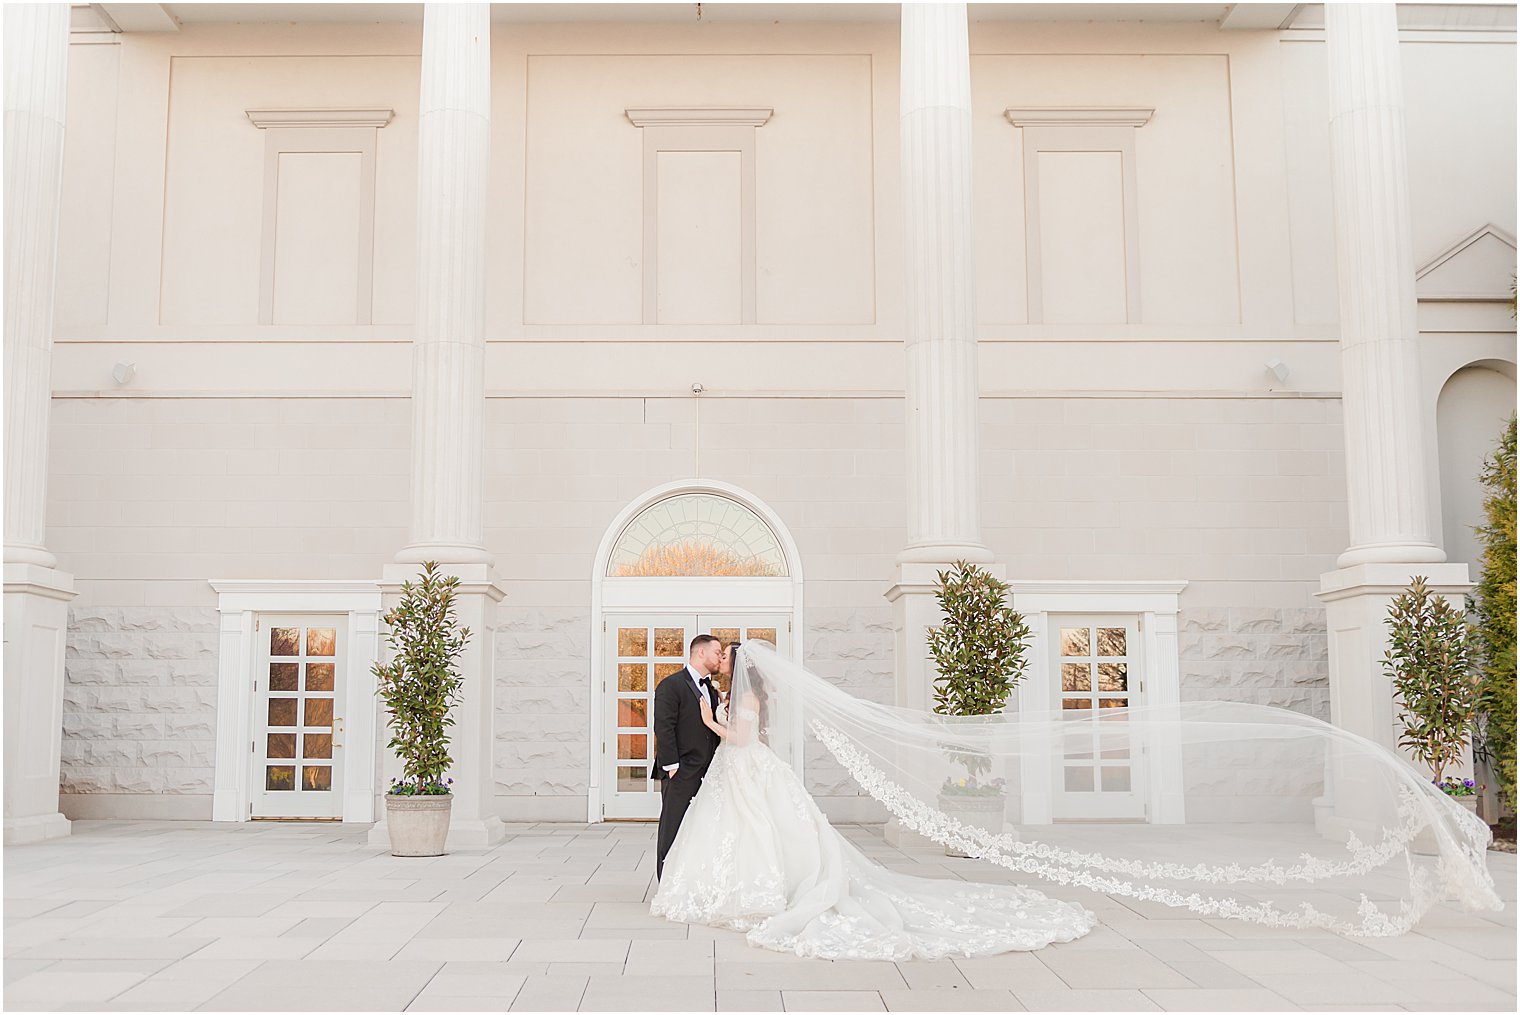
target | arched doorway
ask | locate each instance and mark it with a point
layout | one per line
(685, 558)
(1473, 407)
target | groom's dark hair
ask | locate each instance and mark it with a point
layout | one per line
(698, 642)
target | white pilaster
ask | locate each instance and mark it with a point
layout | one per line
(1388, 477)
(448, 392)
(37, 594)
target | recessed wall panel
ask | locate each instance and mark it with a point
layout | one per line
(316, 247)
(697, 229)
(1082, 237)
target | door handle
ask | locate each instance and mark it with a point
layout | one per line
(337, 731)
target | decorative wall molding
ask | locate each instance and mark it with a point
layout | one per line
(267, 118)
(1080, 129)
(698, 116)
(319, 131)
(1475, 269)
(699, 129)
(1081, 116)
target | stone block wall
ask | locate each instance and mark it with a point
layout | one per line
(139, 703)
(1276, 657)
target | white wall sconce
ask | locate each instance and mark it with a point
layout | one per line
(1277, 368)
(124, 372)
(697, 389)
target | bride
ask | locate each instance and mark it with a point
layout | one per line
(1252, 813)
(755, 854)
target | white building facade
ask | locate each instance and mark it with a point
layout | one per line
(1191, 321)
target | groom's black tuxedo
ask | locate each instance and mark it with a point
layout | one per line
(681, 737)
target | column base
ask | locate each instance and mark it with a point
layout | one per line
(1356, 605)
(471, 833)
(39, 828)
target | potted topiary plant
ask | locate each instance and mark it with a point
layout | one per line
(1429, 663)
(420, 687)
(980, 651)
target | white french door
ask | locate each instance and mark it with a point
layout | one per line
(1101, 771)
(298, 716)
(642, 650)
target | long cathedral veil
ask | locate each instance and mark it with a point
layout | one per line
(1237, 811)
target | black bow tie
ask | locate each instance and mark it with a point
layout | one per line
(705, 680)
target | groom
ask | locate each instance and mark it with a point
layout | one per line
(685, 745)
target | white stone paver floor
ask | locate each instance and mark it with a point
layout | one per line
(179, 916)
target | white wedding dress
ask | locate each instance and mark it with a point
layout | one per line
(755, 854)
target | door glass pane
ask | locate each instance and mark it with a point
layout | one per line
(632, 780)
(319, 712)
(663, 670)
(1076, 677)
(1113, 676)
(319, 676)
(285, 641)
(317, 745)
(670, 642)
(282, 711)
(633, 641)
(1076, 703)
(633, 712)
(762, 634)
(279, 777)
(1074, 641)
(1115, 778)
(321, 641)
(632, 745)
(1112, 702)
(1111, 641)
(1079, 780)
(727, 635)
(281, 745)
(633, 677)
(284, 676)
(316, 777)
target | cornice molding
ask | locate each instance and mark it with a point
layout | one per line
(698, 116)
(266, 118)
(1078, 116)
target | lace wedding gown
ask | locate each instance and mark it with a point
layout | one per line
(755, 854)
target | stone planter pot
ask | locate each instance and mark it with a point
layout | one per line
(418, 825)
(984, 812)
(1425, 842)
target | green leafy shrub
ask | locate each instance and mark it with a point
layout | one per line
(1429, 662)
(981, 647)
(1493, 607)
(420, 685)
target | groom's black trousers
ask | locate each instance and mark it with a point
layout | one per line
(677, 795)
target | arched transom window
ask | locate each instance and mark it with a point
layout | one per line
(696, 535)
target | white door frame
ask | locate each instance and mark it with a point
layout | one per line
(1156, 603)
(623, 596)
(239, 602)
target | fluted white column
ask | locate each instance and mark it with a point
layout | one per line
(448, 360)
(36, 81)
(37, 593)
(1387, 473)
(941, 391)
(1388, 477)
(448, 393)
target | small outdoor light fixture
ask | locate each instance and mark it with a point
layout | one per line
(124, 372)
(697, 389)
(1277, 368)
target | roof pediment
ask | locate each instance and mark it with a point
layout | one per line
(1477, 268)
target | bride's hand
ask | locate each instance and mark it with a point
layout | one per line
(707, 715)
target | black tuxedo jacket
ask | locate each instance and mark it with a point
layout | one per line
(680, 734)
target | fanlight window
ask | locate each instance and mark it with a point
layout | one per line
(697, 535)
